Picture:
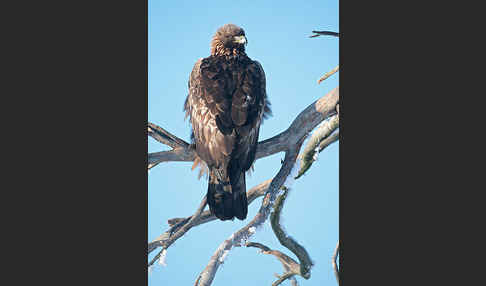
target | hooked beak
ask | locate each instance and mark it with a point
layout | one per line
(240, 40)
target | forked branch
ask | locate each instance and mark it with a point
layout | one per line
(310, 117)
(305, 122)
(291, 244)
(289, 141)
(176, 224)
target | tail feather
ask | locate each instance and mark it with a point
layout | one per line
(226, 195)
(219, 196)
(240, 202)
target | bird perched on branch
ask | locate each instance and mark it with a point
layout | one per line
(227, 102)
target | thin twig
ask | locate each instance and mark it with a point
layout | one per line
(324, 33)
(182, 230)
(263, 248)
(283, 278)
(156, 257)
(334, 263)
(290, 265)
(206, 216)
(328, 74)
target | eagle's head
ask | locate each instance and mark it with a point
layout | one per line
(228, 40)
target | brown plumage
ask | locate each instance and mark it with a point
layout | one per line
(227, 102)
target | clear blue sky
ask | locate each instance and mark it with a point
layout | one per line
(277, 31)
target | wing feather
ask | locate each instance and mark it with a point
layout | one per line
(226, 103)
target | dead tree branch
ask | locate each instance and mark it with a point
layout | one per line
(289, 141)
(181, 230)
(283, 277)
(309, 155)
(287, 241)
(176, 224)
(324, 33)
(328, 74)
(291, 267)
(289, 264)
(164, 137)
(335, 264)
(328, 141)
(241, 236)
(184, 152)
(180, 148)
(305, 122)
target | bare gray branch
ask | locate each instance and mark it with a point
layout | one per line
(334, 263)
(287, 241)
(322, 132)
(302, 125)
(289, 141)
(175, 223)
(165, 137)
(306, 121)
(291, 267)
(207, 275)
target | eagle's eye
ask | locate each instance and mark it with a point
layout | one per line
(240, 39)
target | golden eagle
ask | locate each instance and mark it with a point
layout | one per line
(227, 102)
